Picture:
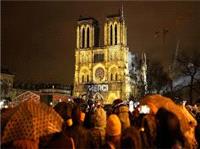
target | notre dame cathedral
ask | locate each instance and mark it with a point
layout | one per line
(104, 72)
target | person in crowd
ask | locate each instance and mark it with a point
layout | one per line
(116, 102)
(148, 131)
(98, 132)
(131, 118)
(108, 109)
(88, 117)
(169, 134)
(131, 139)
(60, 140)
(122, 111)
(78, 132)
(113, 132)
(146, 124)
(65, 111)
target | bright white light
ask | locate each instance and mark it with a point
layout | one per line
(51, 103)
(144, 109)
(136, 104)
(131, 108)
(1, 104)
(184, 102)
(6, 106)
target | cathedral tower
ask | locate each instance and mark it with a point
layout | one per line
(115, 31)
(87, 33)
(102, 71)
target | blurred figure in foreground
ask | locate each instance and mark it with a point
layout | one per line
(169, 134)
(113, 132)
(130, 139)
(77, 131)
(98, 132)
(122, 111)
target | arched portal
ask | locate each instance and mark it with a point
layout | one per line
(98, 97)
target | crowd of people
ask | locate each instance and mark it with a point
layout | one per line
(94, 125)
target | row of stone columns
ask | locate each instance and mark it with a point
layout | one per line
(85, 36)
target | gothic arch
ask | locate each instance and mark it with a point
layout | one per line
(78, 37)
(98, 96)
(116, 30)
(113, 72)
(84, 75)
(111, 34)
(83, 37)
(88, 37)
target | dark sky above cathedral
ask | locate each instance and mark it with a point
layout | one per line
(38, 38)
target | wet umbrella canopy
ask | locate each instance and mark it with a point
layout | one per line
(32, 120)
(187, 122)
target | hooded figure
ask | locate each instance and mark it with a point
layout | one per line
(168, 128)
(65, 111)
(61, 140)
(146, 124)
(97, 134)
(78, 132)
(113, 132)
(131, 139)
(122, 111)
(88, 117)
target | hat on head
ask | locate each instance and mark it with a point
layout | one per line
(99, 117)
(78, 116)
(123, 115)
(113, 127)
(64, 110)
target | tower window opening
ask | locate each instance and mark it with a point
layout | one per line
(83, 38)
(88, 37)
(111, 76)
(115, 34)
(87, 78)
(111, 35)
(116, 77)
(83, 79)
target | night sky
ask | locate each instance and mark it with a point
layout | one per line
(38, 38)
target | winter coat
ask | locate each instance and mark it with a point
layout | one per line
(80, 136)
(60, 141)
(97, 137)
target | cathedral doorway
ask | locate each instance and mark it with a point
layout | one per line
(98, 97)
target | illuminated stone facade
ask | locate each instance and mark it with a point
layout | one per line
(102, 71)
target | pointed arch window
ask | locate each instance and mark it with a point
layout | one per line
(111, 34)
(83, 38)
(87, 78)
(111, 77)
(116, 76)
(83, 79)
(88, 37)
(115, 34)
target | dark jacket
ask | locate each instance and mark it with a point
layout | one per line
(60, 141)
(97, 137)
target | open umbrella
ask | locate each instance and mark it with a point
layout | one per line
(7, 113)
(31, 120)
(187, 121)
